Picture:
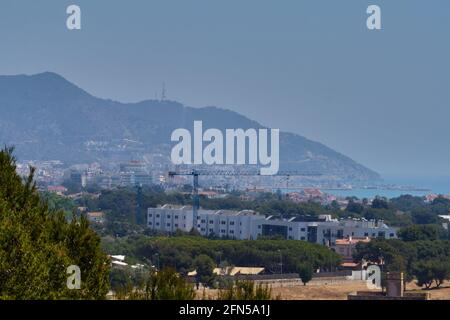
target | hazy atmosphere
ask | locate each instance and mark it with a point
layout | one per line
(309, 67)
(214, 158)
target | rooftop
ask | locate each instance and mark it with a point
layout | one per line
(351, 240)
(237, 213)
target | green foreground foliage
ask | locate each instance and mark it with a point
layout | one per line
(166, 284)
(187, 253)
(245, 290)
(38, 244)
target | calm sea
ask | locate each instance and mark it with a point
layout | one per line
(438, 185)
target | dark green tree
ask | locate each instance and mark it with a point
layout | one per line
(380, 203)
(166, 284)
(305, 271)
(205, 269)
(424, 216)
(37, 245)
(422, 232)
(355, 207)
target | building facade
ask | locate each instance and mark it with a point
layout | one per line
(249, 225)
(170, 218)
(346, 247)
(227, 223)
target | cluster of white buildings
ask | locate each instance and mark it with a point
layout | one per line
(248, 225)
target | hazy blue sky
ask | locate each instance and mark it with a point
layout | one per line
(310, 67)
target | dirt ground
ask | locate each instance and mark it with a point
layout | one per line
(338, 291)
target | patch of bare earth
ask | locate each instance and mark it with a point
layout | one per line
(441, 293)
(332, 291)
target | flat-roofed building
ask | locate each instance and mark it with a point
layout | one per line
(323, 229)
(329, 231)
(248, 225)
(170, 218)
(227, 223)
(210, 223)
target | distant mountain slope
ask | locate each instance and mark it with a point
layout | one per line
(47, 117)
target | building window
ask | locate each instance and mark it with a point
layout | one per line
(223, 222)
(259, 226)
(366, 234)
(290, 228)
(211, 230)
(223, 231)
(203, 221)
(157, 224)
(149, 223)
(391, 235)
(231, 231)
(157, 215)
(168, 224)
(150, 215)
(211, 221)
(302, 238)
(168, 216)
(231, 223)
(176, 217)
(176, 225)
(302, 229)
(290, 237)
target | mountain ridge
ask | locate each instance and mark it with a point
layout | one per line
(48, 117)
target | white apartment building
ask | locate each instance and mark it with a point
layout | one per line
(323, 230)
(227, 223)
(170, 218)
(248, 225)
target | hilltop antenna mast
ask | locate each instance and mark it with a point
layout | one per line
(163, 93)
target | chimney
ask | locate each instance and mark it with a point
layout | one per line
(394, 284)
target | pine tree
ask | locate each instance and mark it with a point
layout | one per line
(37, 244)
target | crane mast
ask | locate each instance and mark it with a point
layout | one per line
(196, 173)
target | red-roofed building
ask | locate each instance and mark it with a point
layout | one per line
(59, 190)
(312, 193)
(346, 247)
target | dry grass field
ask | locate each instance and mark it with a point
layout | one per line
(334, 291)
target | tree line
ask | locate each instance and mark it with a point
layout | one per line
(188, 253)
(423, 259)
